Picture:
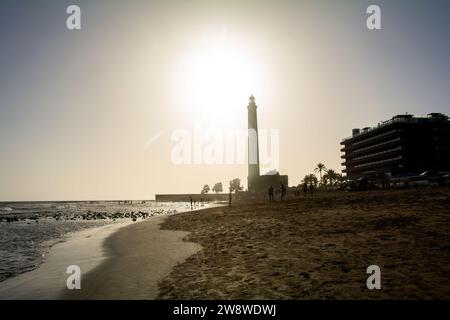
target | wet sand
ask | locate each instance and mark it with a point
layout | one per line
(84, 248)
(139, 256)
(318, 248)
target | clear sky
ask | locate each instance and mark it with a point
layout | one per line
(89, 114)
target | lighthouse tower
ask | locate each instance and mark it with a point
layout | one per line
(253, 147)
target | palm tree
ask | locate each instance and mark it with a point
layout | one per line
(326, 179)
(313, 179)
(340, 179)
(331, 176)
(320, 168)
(310, 179)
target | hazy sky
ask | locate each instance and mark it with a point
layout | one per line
(89, 114)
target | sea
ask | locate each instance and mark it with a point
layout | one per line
(28, 230)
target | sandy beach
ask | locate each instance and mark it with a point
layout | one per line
(318, 248)
(118, 261)
(83, 248)
(313, 247)
(124, 260)
(139, 257)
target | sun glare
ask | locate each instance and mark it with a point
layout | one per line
(217, 77)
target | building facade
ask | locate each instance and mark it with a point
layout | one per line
(404, 145)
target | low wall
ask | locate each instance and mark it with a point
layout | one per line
(195, 197)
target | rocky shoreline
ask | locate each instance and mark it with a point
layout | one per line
(88, 216)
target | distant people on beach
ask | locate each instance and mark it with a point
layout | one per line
(192, 203)
(270, 193)
(229, 198)
(282, 191)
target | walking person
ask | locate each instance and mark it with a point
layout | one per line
(270, 193)
(282, 191)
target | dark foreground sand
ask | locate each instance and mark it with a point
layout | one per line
(139, 256)
(313, 248)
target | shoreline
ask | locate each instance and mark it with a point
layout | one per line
(139, 257)
(90, 249)
(313, 247)
(84, 248)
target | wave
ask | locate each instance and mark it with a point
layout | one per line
(5, 210)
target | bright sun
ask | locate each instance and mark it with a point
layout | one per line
(216, 79)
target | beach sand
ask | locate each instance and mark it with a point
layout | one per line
(84, 248)
(314, 247)
(318, 248)
(140, 256)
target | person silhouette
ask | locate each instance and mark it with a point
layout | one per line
(270, 193)
(282, 191)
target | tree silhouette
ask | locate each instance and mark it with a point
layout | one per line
(235, 185)
(218, 187)
(205, 189)
(331, 176)
(340, 179)
(310, 179)
(320, 168)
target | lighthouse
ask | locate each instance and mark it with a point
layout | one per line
(253, 146)
(256, 182)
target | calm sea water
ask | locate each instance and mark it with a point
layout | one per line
(36, 226)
